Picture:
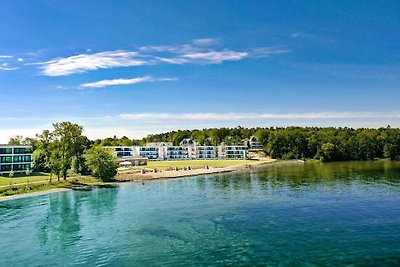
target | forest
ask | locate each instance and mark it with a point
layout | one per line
(325, 144)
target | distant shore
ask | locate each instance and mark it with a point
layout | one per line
(167, 174)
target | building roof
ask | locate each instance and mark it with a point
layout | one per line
(187, 142)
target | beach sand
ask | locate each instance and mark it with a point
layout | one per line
(149, 175)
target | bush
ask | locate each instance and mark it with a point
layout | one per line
(11, 174)
(28, 172)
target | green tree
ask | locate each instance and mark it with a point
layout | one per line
(70, 145)
(101, 162)
(42, 153)
(55, 160)
(199, 137)
(16, 140)
(328, 152)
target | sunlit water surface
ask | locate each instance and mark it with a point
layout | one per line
(303, 214)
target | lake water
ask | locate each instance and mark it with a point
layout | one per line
(311, 214)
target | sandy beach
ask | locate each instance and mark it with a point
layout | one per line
(165, 174)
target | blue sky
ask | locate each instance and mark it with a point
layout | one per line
(139, 67)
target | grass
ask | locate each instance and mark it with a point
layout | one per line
(39, 182)
(22, 178)
(194, 164)
(31, 188)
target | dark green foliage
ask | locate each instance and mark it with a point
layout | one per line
(101, 162)
(63, 149)
(327, 144)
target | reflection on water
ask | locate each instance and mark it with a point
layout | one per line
(332, 214)
(60, 226)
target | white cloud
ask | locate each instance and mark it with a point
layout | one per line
(197, 52)
(86, 62)
(177, 49)
(6, 66)
(105, 83)
(204, 41)
(178, 60)
(266, 52)
(256, 116)
(215, 57)
(6, 63)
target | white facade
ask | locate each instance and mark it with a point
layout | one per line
(254, 144)
(235, 152)
(16, 159)
(207, 152)
(185, 151)
(150, 152)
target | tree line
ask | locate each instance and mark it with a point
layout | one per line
(325, 144)
(66, 149)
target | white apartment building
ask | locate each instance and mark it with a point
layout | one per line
(17, 159)
(207, 152)
(235, 152)
(254, 144)
(187, 149)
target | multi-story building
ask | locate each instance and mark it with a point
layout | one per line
(254, 144)
(176, 153)
(150, 152)
(187, 149)
(16, 159)
(235, 152)
(128, 154)
(122, 152)
(206, 152)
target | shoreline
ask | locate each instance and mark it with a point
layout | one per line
(33, 194)
(138, 177)
(161, 175)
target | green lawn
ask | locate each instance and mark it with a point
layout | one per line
(195, 164)
(39, 176)
(18, 188)
(22, 178)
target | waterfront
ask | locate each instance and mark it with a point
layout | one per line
(303, 214)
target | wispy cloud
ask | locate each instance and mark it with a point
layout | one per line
(215, 57)
(257, 116)
(7, 63)
(113, 82)
(199, 51)
(86, 62)
(204, 41)
(6, 67)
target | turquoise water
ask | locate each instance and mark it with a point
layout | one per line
(310, 214)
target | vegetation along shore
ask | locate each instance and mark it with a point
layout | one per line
(66, 158)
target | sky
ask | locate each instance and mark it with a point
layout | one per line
(142, 67)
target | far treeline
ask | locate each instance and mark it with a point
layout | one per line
(66, 149)
(325, 144)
